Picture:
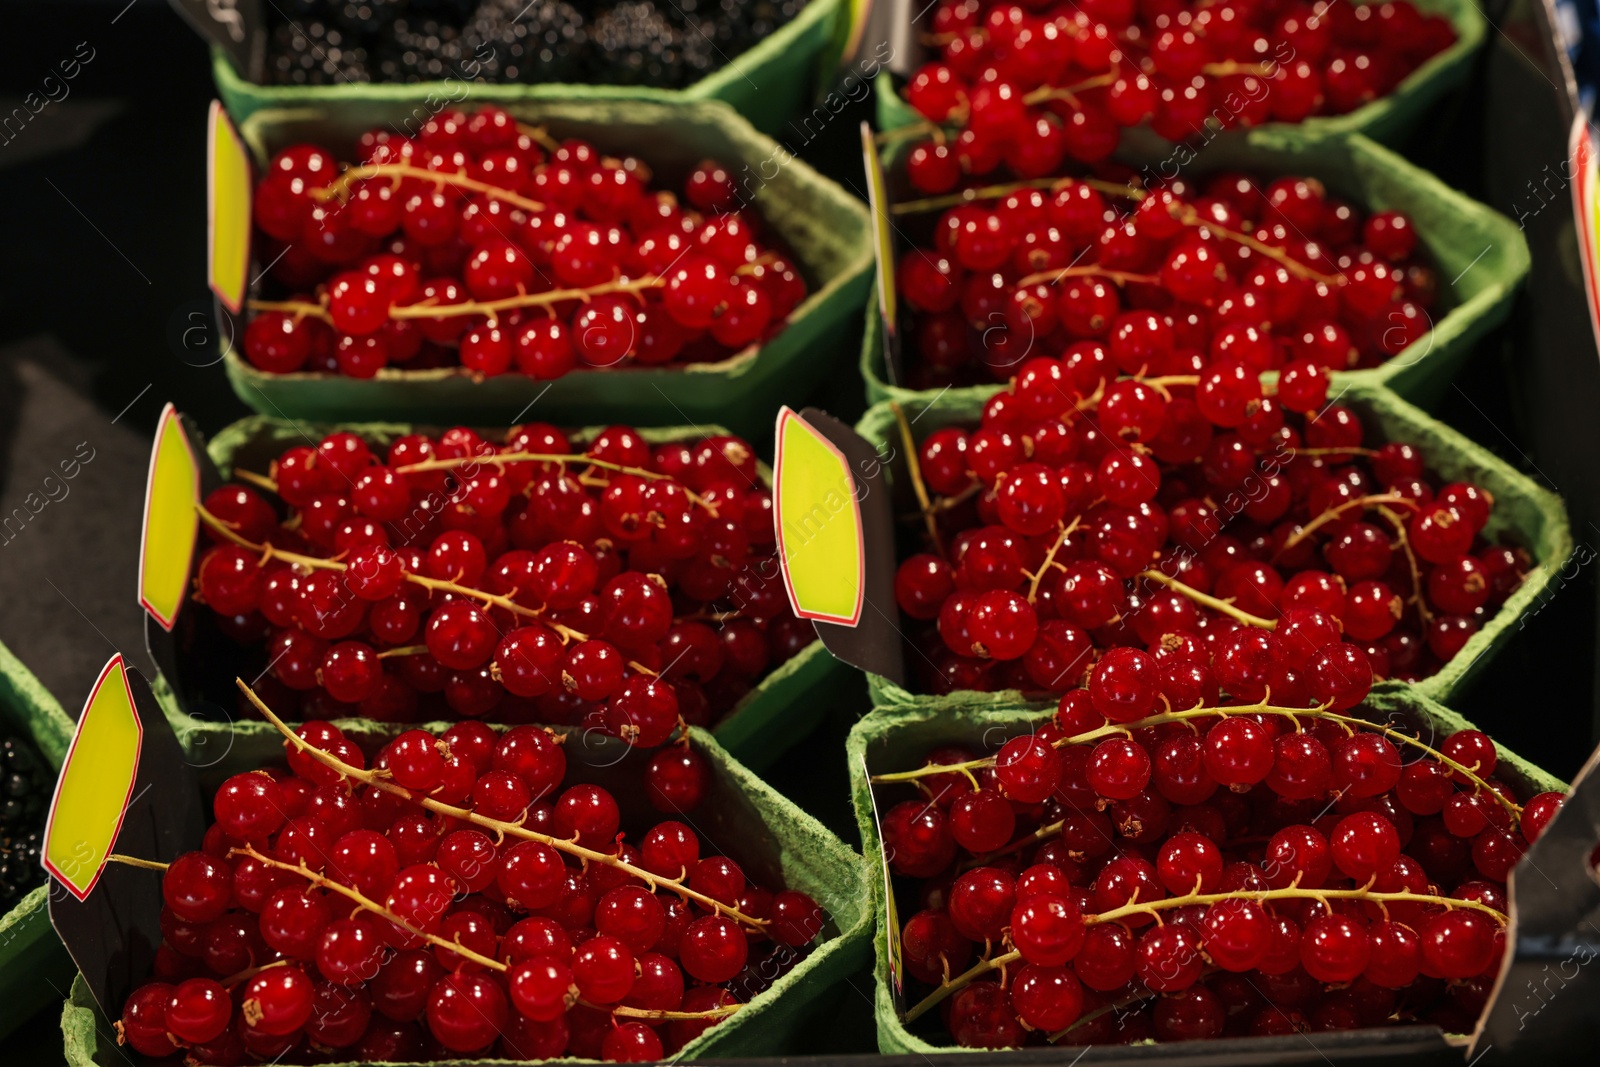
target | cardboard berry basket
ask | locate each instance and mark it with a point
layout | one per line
(1389, 119)
(198, 663)
(896, 739)
(824, 227)
(31, 956)
(768, 835)
(1479, 256)
(766, 84)
(1524, 515)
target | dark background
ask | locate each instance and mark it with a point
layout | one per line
(102, 227)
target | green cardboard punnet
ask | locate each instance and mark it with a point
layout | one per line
(783, 708)
(766, 84)
(1480, 256)
(31, 956)
(826, 228)
(897, 738)
(1389, 119)
(1524, 514)
(768, 835)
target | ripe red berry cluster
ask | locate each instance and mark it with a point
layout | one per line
(1169, 280)
(482, 243)
(621, 586)
(1197, 875)
(1194, 538)
(1031, 85)
(333, 908)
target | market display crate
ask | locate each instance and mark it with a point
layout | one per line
(767, 835)
(826, 229)
(895, 739)
(196, 689)
(1479, 256)
(765, 84)
(31, 957)
(1390, 119)
(1524, 515)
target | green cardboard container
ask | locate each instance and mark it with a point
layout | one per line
(1479, 256)
(1524, 514)
(34, 965)
(782, 708)
(765, 84)
(896, 739)
(1389, 119)
(825, 227)
(770, 837)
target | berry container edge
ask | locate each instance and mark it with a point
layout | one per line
(1531, 516)
(33, 963)
(1482, 250)
(825, 227)
(892, 739)
(765, 84)
(778, 842)
(782, 708)
(1390, 119)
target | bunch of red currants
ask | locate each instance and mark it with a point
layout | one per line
(620, 586)
(483, 244)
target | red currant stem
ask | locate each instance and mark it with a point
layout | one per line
(1051, 277)
(500, 826)
(1334, 512)
(1069, 92)
(710, 616)
(1189, 216)
(298, 308)
(1336, 451)
(339, 188)
(493, 600)
(914, 467)
(1050, 557)
(1416, 597)
(1100, 733)
(250, 972)
(1323, 896)
(1043, 833)
(260, 481)
(403, 650)
(502, 458)
(642, 669)
(526, 300)
(1207, 600)
(365, 903)
(1160, 384)
(624, 1012)
(996, 192)
(920, 128)
(135, 861)
(1231, 67)
(540, 136)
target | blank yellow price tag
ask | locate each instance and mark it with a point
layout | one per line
(228, 199)
(170, 523)
(818, 517)
(96, 784)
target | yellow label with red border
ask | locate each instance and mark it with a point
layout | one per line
(96, 784)
(228, 197)
(170, 524)
(820, 537)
